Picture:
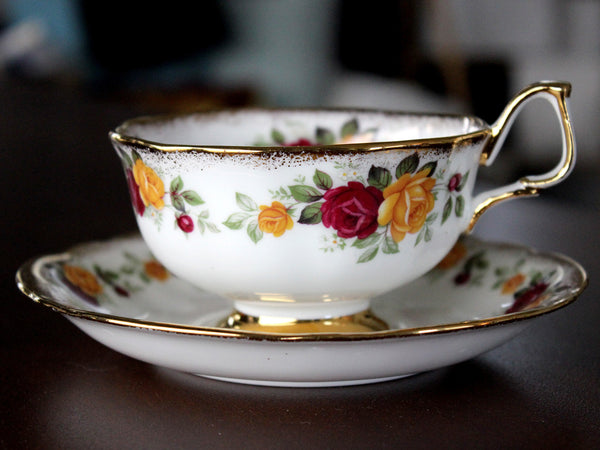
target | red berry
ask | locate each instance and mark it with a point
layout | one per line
(121, 291)
(186, 223)
(454, 182)
(528, 297)
(462, 278)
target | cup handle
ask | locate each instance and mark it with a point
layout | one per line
(557, 93)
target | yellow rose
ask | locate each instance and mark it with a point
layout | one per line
(454, 256)
(357, 138)
(156, 270)
(406, 204)
(274, 219)
(510, 286)
(83, 279)
(151, 186)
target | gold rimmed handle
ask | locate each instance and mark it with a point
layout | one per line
(557, 93)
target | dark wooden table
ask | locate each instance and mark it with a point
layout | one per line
(62, 185)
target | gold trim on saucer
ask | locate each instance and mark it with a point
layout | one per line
(361, 322)
(31, 282)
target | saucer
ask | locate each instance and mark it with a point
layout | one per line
(478, 297)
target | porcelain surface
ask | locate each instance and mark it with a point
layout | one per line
(481, 295)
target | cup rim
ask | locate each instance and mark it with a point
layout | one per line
(120, 134)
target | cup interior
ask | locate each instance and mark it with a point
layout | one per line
(268, 128)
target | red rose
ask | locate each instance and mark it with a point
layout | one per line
(352, 210)
(134, 192)
(302, 142)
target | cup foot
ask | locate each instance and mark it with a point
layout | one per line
(363, 321)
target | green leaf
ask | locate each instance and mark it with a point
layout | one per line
(127, 270)
(459, 207)
(108, 276)
(212, 227)
(135, 156)
(431, 218)
(277, 136)
(474, 261)
(144, 277)
(389, 246)
(368, 241)
(420, 236)
(368, 255)
(482, 263)
(428, 234)
(131, 257)
(203, 214)
(379, 177)
(192, 198)
(304, 193)
(463, 181)
(430, 166)
(126, 160)
(236, 220)
(349, 128)
(501, 271)
(245, 202)
(407, 165)
(447, 210)
(536, 277)
(311, 214)
(176, 184)
(254, 232)
(177, 202)
(201, 226)
(325, 136)
(322, 180)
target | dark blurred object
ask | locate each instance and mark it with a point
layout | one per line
(130, 41)
(383, 37)
(380, 37)
(489, 88)
(126, 35)
(180, 98)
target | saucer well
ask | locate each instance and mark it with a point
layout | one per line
(479, 296)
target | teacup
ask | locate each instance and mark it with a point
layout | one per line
(308, 214)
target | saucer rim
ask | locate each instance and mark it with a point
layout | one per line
(28, 284)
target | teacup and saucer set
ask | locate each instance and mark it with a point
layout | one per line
(310, 247)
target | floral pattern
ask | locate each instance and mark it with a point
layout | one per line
(372, 211)
(92, 284)
(147, 192)
(407, 202)
(351, 210)
(349, 133)
(375, 210)
(274, 219)
(528, 288)
(455, 201)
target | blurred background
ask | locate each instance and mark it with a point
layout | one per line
(430, 55)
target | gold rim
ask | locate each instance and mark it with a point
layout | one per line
(450, 142)
(29, 283)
